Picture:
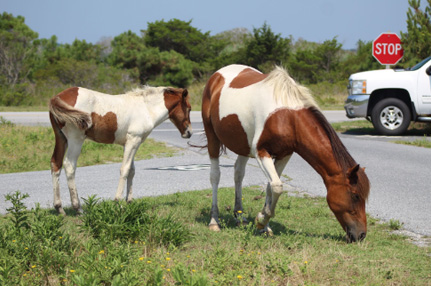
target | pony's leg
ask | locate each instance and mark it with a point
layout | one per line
(129, 194)
(240, 164)
(279, 167)
(130, 148)
(273, 171)
(57, 163)
(73, 152)
(215, 179)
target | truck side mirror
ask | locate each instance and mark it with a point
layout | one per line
(428, 70)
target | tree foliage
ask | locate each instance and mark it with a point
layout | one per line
(174, 53)
(416, 42)
(17, 50)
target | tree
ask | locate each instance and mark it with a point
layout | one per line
(126, 49)
(360, 60)
(266, 49)
(416, 42)
(181, 37)
(17, 50)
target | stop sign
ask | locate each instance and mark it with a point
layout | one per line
(387, 49)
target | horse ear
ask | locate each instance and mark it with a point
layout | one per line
(185, 93)
(352, 175)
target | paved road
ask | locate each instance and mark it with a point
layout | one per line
(399, 174)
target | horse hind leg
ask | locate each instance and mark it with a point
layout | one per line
(240, 164)
(57, 163)
(70, 163)
(214, 224)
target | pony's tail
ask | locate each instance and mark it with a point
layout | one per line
(64, 113)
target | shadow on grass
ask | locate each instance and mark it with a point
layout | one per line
(229, 222)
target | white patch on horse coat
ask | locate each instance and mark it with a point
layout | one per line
(133, 116)
(252, 104)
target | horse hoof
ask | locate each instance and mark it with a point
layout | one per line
(258, 221)
(60, 210)
(214, 227)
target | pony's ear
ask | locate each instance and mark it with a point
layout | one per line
(185, 93)
(352, 175)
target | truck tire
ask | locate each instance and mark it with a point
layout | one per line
(391, 116)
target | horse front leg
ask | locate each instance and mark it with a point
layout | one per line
(130, 148)
(215, 179)
(240, 164)
(274, 189)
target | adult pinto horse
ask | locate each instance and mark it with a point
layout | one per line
(127, 119)
(268, 117)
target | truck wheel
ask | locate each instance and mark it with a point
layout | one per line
(391, 116)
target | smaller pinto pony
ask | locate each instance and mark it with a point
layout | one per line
(127, 119)
(268, 117)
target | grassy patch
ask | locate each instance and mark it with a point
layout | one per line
(424, 142)
(363, 127)
(354, 126)
(167, 242)
(25, 148)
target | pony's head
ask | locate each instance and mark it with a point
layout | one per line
(177, 103)
(347, 202)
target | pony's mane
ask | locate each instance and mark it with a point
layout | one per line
(144, 91)
(341, 155)
(288, 92)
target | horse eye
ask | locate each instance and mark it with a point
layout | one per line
(355, 197)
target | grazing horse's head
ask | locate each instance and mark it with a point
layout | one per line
(347, 202)
(177, 103)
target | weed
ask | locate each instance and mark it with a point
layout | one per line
(142, 243)
(18, 209)
(395, 224)
(5, 122)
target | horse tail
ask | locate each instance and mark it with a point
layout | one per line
(288, 91)
(64, 113)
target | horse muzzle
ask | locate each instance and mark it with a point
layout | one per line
(188, 133)
(354, 236)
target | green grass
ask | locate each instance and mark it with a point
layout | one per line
(364, 127)
(30, 149)
(167, 242)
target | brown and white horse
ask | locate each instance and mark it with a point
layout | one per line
(78, 113)
(268, 117)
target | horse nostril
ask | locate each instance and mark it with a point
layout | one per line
(362, 236)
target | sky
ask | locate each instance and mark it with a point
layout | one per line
(312, 20)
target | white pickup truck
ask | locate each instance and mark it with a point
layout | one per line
(391, 98)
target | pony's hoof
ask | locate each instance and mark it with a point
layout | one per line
(214, 227)
(61, 211)
(259, 221)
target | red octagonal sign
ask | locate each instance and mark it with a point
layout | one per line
(387, 49)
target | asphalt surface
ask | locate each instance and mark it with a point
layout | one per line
(399, 174)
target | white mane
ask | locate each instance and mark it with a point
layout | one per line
(287, 91)
(145, 91)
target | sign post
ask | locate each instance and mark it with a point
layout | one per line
(387, 49)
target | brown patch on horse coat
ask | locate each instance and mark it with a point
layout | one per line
(103, 128)
(232, 134)
(247, 77)
(69, 95)
(278, 136)
(228, 131)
